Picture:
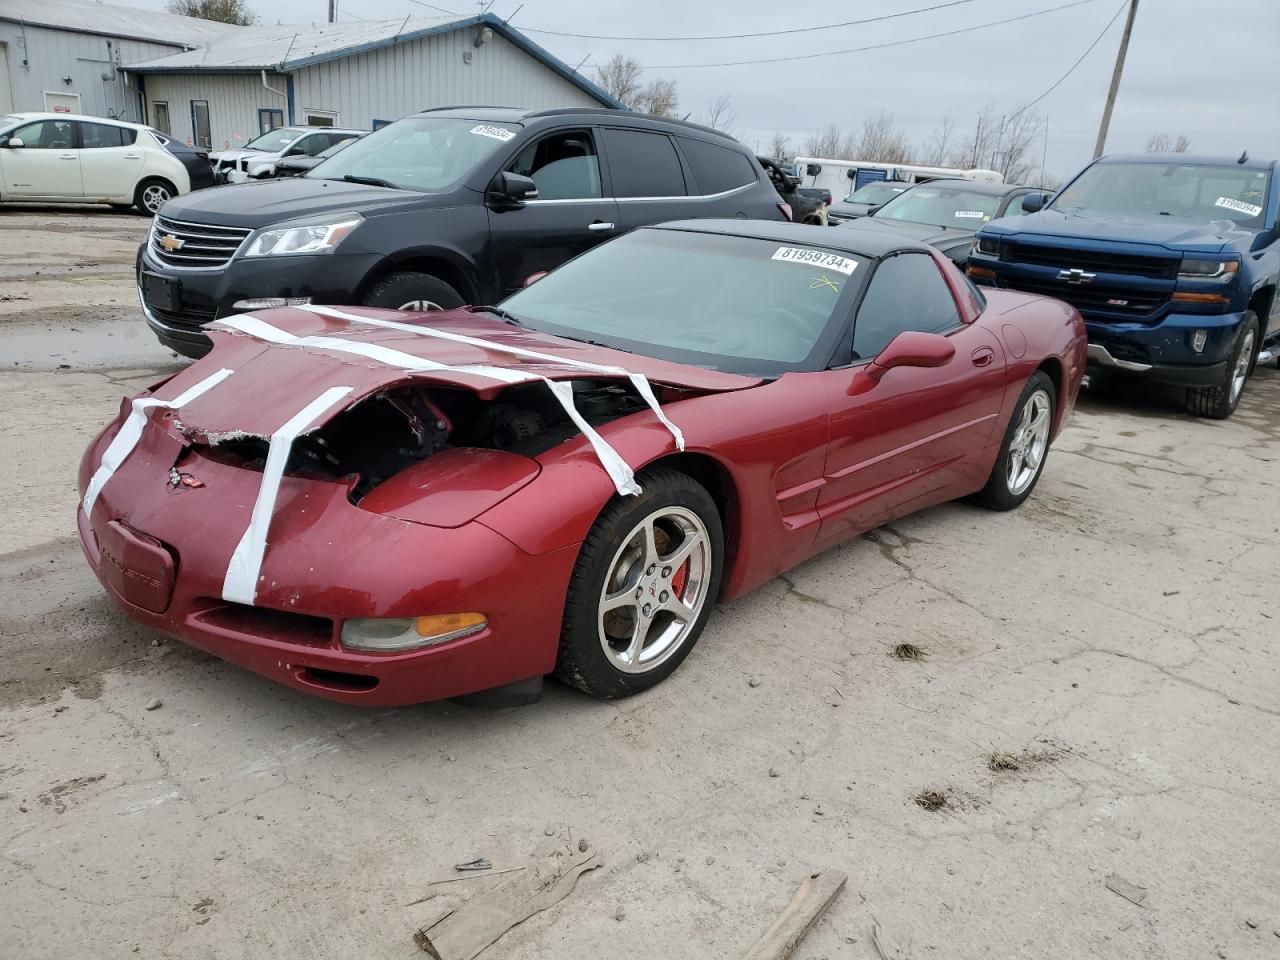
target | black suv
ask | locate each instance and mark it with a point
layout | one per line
(446, 207)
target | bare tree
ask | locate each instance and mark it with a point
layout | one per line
(619, 76)
(224, 11)
(720, 114)
(881, 141)
(780, 146)
(831, 144)
(979, 143)
(937, 149)
(1161, 143)
(1004, 143)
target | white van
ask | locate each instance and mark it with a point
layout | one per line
(843, 177)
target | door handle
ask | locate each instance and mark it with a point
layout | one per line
(66, 156)
(982, 356)
(599, 226)
(132, 156)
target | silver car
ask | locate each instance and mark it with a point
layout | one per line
(258, 157)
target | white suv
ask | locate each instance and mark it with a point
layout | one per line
(66, 158)
(257, 158)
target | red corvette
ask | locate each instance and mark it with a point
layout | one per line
(386, 508)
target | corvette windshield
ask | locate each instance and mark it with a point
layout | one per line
(1189, 191)
(741, 304)
(942, 207)
(417, 153)
(273, 141)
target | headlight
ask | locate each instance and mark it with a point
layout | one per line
(985, 245)
(313, 238)
(1196, 269)
(410, 633)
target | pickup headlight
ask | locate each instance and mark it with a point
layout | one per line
(312, 238)
(1207, 269)
(988, 246)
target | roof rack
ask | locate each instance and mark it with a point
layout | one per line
(563, 111)
(468, 106)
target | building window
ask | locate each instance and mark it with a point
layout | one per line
(320, 118)
(269, 119)
(379, 124)
(160, 120)
(201, 133)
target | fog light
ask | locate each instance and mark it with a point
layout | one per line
(409, 633)
(1198, 340)
(266, 303)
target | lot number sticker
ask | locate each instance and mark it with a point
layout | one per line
(970, 215)
(495, 133)
(1239, 206)
(815, 258)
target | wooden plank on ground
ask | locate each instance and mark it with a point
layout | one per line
(809, 903)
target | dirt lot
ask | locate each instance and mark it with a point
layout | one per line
(1117, 638)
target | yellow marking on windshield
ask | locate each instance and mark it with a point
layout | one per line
(819, 282)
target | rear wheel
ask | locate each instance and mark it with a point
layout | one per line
(151, 195)
(1220, 400)
(411, 290)
(1025, 448)
(643, 587)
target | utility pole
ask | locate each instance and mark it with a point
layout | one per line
(333, 10)
(1115, 80)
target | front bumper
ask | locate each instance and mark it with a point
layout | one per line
(1165, 352)
(327, 561)
(202, 296)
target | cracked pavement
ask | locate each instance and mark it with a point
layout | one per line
(1117, 634)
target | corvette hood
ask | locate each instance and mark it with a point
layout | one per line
(280, 360)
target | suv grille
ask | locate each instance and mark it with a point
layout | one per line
(1163, 268)
(203, 245)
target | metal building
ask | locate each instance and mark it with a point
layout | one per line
(232, 83)
(67, 55)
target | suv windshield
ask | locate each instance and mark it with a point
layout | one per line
(273, 141)
(877, 192)
(417, 153)
(1189, 191)
(740, 304)
(942, 207)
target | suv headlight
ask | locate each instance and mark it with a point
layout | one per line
(1207, 269)
(312, 238)
(988, 246)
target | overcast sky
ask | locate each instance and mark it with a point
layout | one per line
(1204, 69)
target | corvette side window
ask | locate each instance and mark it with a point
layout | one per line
(564, 166)
(906, 293)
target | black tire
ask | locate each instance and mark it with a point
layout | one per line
(396, 290)
(582, 661)
(1000, 492)
(122, 207)
(151, 195)
(1219, 401)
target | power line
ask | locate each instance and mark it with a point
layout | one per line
(874, 46)
(746, 36)
(452, 13)
(1070, 70)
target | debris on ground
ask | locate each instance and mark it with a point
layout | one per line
(909, 651)
(463, 932)
(1130, 891)
(620, 914)
(154, 704)
(886, 948)
(998, 760)
(476, 863)
(808, 904)
(753, 682)
(931, 799)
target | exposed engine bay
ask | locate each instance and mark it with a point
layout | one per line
(395, 428)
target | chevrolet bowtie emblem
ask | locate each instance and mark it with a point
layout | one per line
(1076, 276)
(170, 243)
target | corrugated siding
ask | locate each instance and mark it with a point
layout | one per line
(395, 81)
(52, 55)
(234, 100)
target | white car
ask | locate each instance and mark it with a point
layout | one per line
(258, 157)
(67, 158)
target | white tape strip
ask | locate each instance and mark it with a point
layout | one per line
(619, 472)
(241, 582)
(130, 432)
(639, 380)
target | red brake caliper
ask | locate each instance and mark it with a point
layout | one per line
(680, 579)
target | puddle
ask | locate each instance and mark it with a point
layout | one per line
(106, 344)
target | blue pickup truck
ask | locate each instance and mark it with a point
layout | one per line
(1172, 259)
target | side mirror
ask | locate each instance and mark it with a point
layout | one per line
(812, 169)
(851, 173)
(13, 143)
(514, 188)
(533, 278)
(871, 210)
(1032, 202)
(908, 349)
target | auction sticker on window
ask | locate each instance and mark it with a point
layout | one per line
(970, 215)
(496, 133)
(815, 258)
(1239, 206)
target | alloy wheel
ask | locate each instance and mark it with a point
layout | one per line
(420, 306)
(1029, 443)
(1241, 372)
(154, 197)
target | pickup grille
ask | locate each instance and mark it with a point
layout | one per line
(1065, 258)
(203, 245)
(1092, 299)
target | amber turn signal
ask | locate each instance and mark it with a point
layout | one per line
(982, 272)
(441, 626)
(1201, 297)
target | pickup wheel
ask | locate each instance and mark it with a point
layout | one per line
(1025, 448)
(411, 290)
(1220, 400)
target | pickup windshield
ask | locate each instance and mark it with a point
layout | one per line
(950, 207)
(1188, 191)
(417, 153)
(876, 192)
(741, 304)
(273, 141)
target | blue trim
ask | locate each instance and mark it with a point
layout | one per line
(288, 95)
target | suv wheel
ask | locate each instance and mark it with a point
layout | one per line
(1220, 400)
(411, 290)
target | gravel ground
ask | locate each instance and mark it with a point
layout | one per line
(1110, 649)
